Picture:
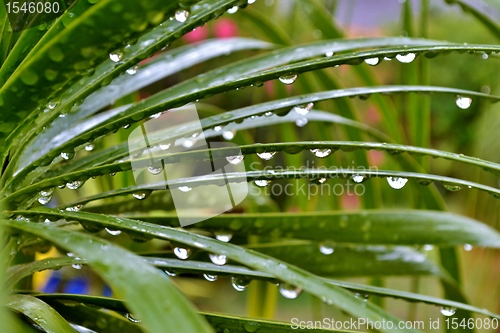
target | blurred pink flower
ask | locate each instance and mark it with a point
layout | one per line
(350, 201)
(376, 158)
(197, 35)
(225, 28)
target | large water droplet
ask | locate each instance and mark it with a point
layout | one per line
(113, 232)
(267, 155)
(372, 61)
(358, 178)
(182, 253)
(262, 182)
(289, 291)
(303, 109)
(181, 15)
(116, 56)
(210, 277)
(288, 79)
(223, 236)
(321, 152)
(141, 195)
(468, 247)
(237, 159)
(406, 58)
(396, 182)
(448, 311)
(463, 102)
(218, 259)
(240, 283)
(74, 185)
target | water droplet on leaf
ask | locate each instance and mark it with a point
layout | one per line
(358, 178)
(396, 182)
(326, 249)
(181, 15)
(289, 291)
(448, 311)
(74, 185)
(237, 159)
(372, 61)
(185, 188)
(406, 58)
(463, 102)
(321, 152)
(223, 236)
(218, 259)
(182, 253)
(132, 70)
(288, 79)
(141, 195)
(210, 277)
(267, 155)
(116, 56)
(232, 10)
(262, 182)
(113, 232)
(239, 283)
